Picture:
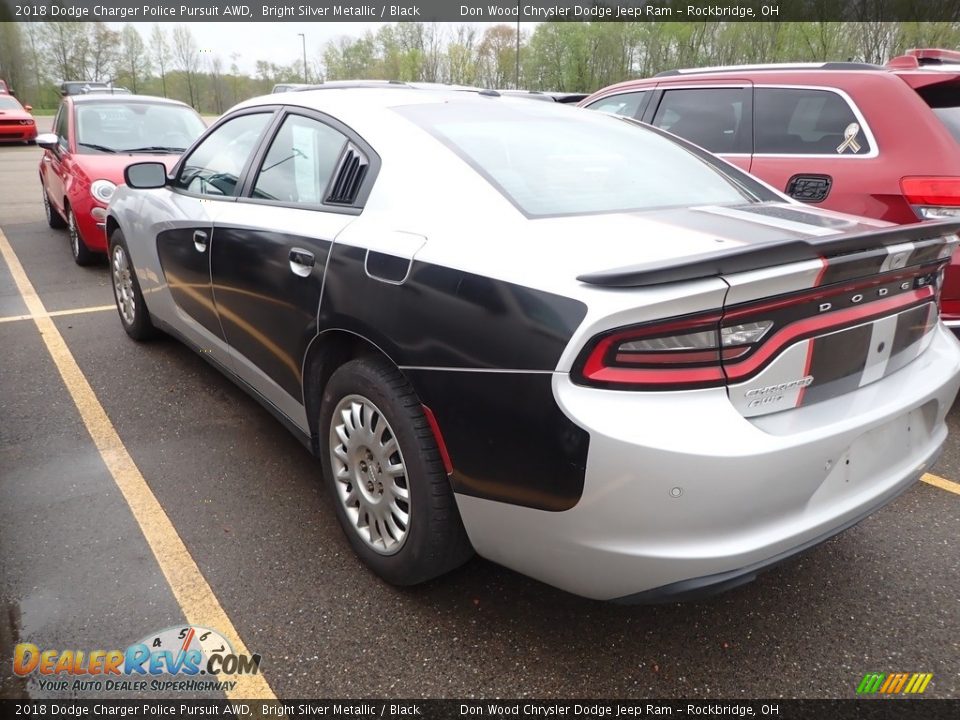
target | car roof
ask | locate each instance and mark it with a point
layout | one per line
(99, 97)
(772, 67)
(371, 97)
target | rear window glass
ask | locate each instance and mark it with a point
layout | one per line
(550, 160)
(944, 100)
(793, 121)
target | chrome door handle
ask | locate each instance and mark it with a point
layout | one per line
(200, 240)
(301, 262)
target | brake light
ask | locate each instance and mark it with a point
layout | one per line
(932, 197)
(683, 352)
(713, 348)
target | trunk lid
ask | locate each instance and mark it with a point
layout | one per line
(808, 314)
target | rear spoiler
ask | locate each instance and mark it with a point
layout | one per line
(757, 257)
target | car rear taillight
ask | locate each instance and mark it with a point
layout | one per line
(679, 353)
(736, 343)
(932, 197)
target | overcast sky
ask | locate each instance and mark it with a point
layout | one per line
(277, 42)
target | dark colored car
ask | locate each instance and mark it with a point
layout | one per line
(824, 133)
(16, 122)
(95, 136)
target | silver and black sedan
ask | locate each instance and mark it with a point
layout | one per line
(576, 346)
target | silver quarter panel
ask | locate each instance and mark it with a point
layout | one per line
(680, 485)
(144, 214)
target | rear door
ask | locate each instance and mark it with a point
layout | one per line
(814, 144)
(270, 250)
(715, 116)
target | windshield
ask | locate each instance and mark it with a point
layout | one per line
(9, 103)
(136, 126)
(553, 160)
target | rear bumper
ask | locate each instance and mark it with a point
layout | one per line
(684, 495)
(708, 585)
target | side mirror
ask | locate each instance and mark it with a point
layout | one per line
(47, 140)
(28, 108)
(145, 175)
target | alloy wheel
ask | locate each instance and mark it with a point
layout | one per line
(370, 474)
(123, 285)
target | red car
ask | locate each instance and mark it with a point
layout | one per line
(878, 141)
(94, 138)
(16, 122)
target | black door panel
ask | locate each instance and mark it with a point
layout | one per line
(187, 272)
(267, 306)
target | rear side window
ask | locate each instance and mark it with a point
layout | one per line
(300, 161)
(626, 104)
(794, 121)
(713, 118)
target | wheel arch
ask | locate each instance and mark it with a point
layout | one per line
(112, 225)
(329, 350)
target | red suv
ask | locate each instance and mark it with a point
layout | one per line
(879, 141)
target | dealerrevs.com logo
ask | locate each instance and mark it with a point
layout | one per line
(174, 659)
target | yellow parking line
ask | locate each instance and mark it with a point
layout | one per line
(942, 483)
(195, 596)
(58, 313)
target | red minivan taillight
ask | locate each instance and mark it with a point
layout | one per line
(932, 197)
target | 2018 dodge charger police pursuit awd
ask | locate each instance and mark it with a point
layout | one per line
(582, 348)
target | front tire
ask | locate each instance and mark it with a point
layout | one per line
(82, 255)
(385, 474)
(133, 312)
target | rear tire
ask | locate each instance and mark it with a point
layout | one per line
(133, 312)
(81, 254)
(385, 474)
(53, 217)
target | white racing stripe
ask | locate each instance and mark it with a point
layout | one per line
(760, 219)
(881, 346)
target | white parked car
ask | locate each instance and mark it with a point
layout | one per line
(582, 348)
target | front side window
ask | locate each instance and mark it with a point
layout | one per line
(712, 118)
(795, 121)
(143, 127)
(60, 126)
(550, 160)
(626, 104)
(301, 159)
(214, 167)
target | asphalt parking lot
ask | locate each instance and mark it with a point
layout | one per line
(220, 516)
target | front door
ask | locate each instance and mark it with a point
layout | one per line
(270, 253)
(206, 184)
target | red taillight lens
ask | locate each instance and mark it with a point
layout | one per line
(710, 349)
(932, 197)
(684, 352)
